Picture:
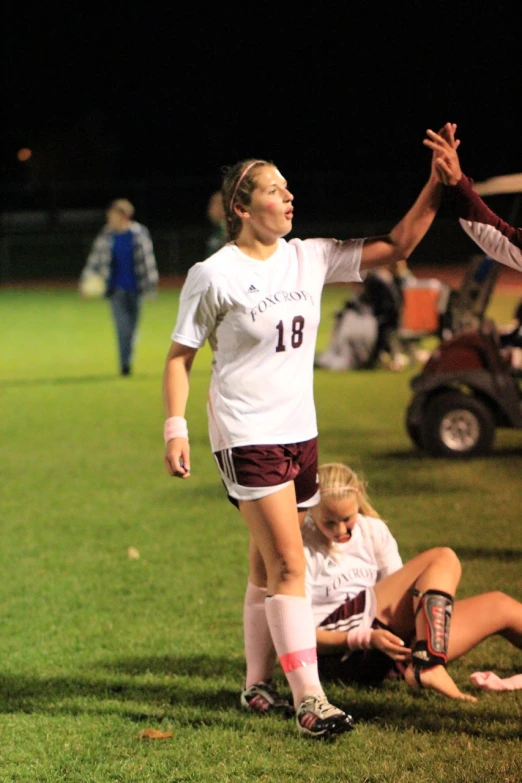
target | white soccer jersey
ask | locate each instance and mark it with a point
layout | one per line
(370, 555)
(261, 320)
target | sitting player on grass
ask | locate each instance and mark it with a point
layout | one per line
(375, 616)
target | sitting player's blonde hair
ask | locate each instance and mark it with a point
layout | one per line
(336, 481)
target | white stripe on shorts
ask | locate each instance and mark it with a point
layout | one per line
(228, 465)
(364, 618)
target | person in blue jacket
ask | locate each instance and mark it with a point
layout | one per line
(122, 255)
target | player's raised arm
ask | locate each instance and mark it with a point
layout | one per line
(497, 238)
(410, 230)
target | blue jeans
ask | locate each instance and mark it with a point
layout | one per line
(125, 307)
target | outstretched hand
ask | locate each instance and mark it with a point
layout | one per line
(391, 645)
(445, 160)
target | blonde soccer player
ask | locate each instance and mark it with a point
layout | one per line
(376, 616)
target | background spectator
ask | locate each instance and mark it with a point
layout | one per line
(122, 257)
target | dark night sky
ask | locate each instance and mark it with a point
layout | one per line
(343, 87)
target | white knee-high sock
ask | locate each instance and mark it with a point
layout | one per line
(260, 652)
(292, 626)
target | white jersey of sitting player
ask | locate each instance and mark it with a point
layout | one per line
(334, 576)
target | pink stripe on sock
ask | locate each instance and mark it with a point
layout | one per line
(298, 659)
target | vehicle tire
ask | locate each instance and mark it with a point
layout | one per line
(413, 430)
(457, 425)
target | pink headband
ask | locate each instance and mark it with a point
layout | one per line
(240, 180)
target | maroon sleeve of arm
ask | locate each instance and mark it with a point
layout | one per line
(493, 235)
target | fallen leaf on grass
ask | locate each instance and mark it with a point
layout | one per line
(154, 734)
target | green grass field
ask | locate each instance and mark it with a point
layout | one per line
(98, 645)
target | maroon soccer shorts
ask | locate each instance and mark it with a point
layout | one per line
(252, 472)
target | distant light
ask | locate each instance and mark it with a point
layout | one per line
(24, 154)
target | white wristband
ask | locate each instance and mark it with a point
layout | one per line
(359, 638)
(175, 427)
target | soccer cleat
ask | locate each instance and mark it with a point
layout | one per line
(265, 700)
(319, 719)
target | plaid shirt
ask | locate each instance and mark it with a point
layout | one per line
(100, 258)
